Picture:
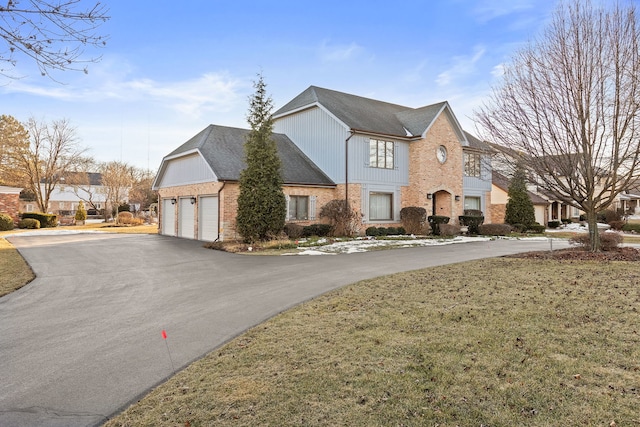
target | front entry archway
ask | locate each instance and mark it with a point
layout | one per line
(441, 203)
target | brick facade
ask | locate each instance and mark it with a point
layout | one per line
(443, 181)
(10, 203)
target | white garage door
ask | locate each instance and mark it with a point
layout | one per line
(208, 218)
(168, 218)
(186, 222)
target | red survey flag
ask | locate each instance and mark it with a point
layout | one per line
(164, 334)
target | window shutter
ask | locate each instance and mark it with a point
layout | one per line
(286, 196)
(312, 208)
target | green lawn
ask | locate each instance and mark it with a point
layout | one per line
(498, 342)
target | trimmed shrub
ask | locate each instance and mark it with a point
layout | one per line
(518, 228)
(413, 219)
(608, 216)
(472, 222)
(319, 230)
(382, 231)
(449, 229)
(371, 231)
(537, 228)
(293, 230)
(125, 207)
(435, 221)
(6, 222)
(392, 231)
(29, 223)
(631, 227)
(46, 220)
(473, 212)
(494, 229)
(553, 224)
(81, 212)
(617, 225)
(401, 231)
(608, 241)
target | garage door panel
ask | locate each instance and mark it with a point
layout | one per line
(208, 218)
(168, 218)
(186, 222)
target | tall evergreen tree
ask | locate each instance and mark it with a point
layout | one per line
(261, 203)
(519, 207)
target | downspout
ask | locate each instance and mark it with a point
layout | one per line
(346, 167)
(219, 191)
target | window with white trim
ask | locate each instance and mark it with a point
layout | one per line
(472, 203)
(381, 154)
(380, 206)
(298, 207)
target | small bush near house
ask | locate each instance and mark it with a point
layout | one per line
(371, 231)
(518, 228)
(29, 223)
(293, 230)
(553, 224)
(413, 219)
(537, 228)
(320, 230)
(344, 220)
(382, 231)
(449, 230)
(435, 221)
(609, 241)
(81, 212)
(46, 220)
(472, 222)
(125, 207)
(617, 225)
(494, 229)
(631, 227)
(582, 217)
(126, 218)
(608, 216)
(6, 222)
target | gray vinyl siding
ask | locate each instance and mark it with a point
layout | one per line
(322, 138)
(191, 169)
(483, 183)
(360, 171)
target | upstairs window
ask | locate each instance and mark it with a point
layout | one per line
(381, 154)
(472, 165)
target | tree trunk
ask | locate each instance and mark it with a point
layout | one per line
(594, 234)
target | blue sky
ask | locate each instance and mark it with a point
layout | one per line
(169, 71)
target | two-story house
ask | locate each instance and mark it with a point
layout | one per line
(333, 145)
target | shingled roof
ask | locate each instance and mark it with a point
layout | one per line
(222, 148)
(370, 115)
(502, 182)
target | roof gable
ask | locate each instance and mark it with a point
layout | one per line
(222, 148)
(368, 115)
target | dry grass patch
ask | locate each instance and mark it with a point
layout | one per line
(494, 342)
(14, 271)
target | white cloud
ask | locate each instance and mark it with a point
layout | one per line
(462, 66)
(338, 53)
(210, 92)
(486, 10)
(498, 71)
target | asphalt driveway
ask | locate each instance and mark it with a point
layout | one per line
(83, 340)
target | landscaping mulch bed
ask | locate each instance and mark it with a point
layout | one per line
(581, 254)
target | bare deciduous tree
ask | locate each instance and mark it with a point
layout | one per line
(53, 151)
(52, 33)
(117, 180)
(570, 103)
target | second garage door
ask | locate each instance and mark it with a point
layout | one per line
(186, 222)
(208, 218)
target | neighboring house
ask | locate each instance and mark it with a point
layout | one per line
(10, 201)
(500, 197)
(380, 156)
(74, 187)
